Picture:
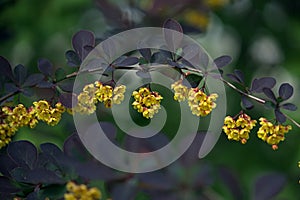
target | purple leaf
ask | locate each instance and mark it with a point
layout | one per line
(266, 187)
(10, 87)
(66, 99)
(146, 53)
(143, 74)
(204, 60)
(128, 62)
(6, 68)
(222, 61)
(172, 34)
(270, 94)
(157, 179)
(239, 74)
(231, 181)
(280, 117)
(259, 84)
(45, 66)
(82, 39)
(45, 84)
(7, 164)
(36, 176)
(20, 73)
(191, 51)
(23, 153)
(233, 78)
(286, 91)
(289, 106)
(72, 58)
(246, 103)
(74, 148)
(66, 85)
(33, 79)
(6, 186)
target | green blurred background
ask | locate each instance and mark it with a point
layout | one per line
(263, 37)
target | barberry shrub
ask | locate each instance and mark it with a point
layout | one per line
(72, 173)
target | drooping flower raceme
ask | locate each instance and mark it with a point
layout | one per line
(272, 134)
(81, 192)
(200, 103)
(97, 92)
(238, 129)
(180, 91)
(146, 102)
(19, 116)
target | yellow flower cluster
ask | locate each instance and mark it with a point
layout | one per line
(97, 92)
(180, 91)
(19, 116)
(81, 192)
(146, 102)
(272, 134)
(238, 129)
(199, 103)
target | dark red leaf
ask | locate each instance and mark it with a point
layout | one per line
(286, 91)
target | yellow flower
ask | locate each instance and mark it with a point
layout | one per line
(81, 192)
(201, 104)
(146, 102)
(272, 134)
(239, 129)
(181, 91)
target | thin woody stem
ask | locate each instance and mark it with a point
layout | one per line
(292, 120)
(243, 93)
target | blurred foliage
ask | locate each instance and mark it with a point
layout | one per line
(261, 35)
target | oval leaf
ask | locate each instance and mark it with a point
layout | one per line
(73, 59)
(128, 62)
(5, 68)
(222, 61)
(45, 66)
(280, 117)
(20, 73)
(33, 79)
(259, 84)
(270, 94)
(23, 153)
(269, 185)
(286, 91)
(247, 103)
(82, 39)
(146, 53)
(289, 106)
(239, 74)
(172, 34)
